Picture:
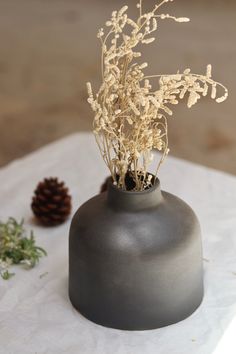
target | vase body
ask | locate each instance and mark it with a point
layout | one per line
(135, 259)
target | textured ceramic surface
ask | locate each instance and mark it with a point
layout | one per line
(135, 259)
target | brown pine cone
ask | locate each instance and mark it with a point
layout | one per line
(51, 203)
(104, 186)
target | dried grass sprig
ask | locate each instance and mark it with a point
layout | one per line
(130, 116)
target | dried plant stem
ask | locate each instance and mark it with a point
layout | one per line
(165, 153)
(204, 79)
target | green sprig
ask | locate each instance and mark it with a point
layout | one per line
(16, 247)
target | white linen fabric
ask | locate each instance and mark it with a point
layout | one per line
(35, 313)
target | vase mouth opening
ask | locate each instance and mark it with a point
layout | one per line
(134, 200)
(130, 185)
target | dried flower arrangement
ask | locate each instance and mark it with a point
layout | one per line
(130, 116)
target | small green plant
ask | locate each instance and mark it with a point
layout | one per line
(16, 247)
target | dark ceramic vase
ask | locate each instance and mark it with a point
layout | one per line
(135, 259)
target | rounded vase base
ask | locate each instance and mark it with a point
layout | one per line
(133, 325)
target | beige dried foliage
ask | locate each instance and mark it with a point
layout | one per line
(130, 115)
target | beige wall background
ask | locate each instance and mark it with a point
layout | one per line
(49, 49)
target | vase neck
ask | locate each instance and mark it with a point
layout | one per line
(134, 201)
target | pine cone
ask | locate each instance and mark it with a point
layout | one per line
(51, 203)
(104, 186)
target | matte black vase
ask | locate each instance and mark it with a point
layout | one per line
(135, 259)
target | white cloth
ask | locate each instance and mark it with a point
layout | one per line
(35, 313)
